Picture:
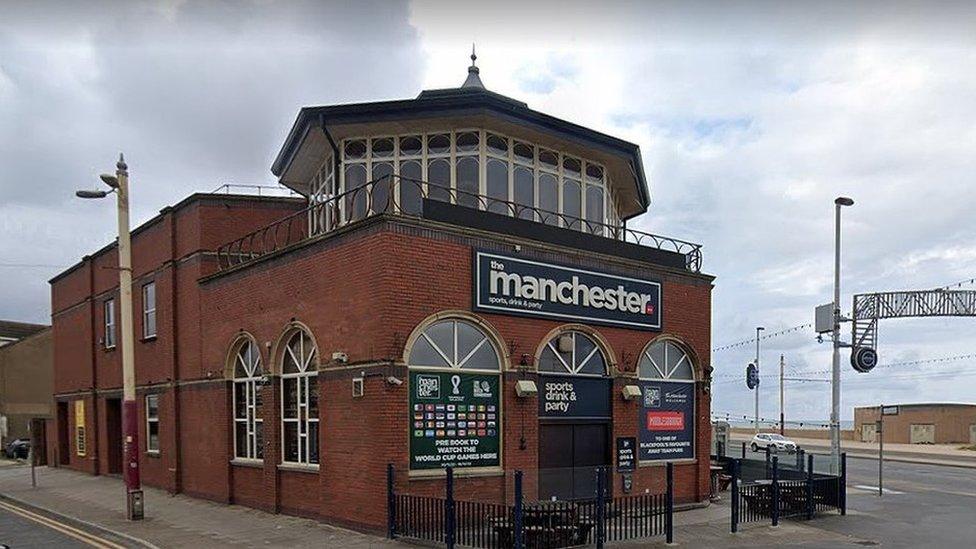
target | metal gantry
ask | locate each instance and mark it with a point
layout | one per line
(868, 309)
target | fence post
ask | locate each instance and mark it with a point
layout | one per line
(766, 475)
(743, 450)
(775, 510)
(449, 510)
(669, 502)
(735, 495)
(799, 458)
(810, 487)
(390, 503)
(600, 509)
(518, 534)
(843, 483)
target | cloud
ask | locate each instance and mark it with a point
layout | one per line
(197, 94)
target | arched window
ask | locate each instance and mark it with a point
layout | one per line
(453, 343)
(665, 360)
(573, 353)
(248, 422)
(299, 401)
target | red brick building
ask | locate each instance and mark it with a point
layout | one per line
(458, 287)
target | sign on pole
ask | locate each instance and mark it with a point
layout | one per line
(864, 359)
(752, 376)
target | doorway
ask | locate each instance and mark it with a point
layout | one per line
(570, 455)
(64, 441)
(922, 433)
(113, 433)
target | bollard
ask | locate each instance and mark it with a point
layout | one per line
(669, 502)
(743, 450)
(600, 508)
(449, 510)
(766, 475)
(735, 496)
(843, 484)
(519, 534)
(775, 494)
(810, 487)
(390, 503)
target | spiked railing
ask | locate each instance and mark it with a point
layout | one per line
(398, 195)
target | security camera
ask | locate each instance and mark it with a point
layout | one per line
(340, 357)
(394, 381)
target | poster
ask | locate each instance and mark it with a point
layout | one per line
(455, 420)
(81, 447)
(667, 421)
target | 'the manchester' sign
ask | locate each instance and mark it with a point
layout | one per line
(505, 284)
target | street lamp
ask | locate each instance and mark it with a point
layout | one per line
(839, 203)
(758, 329)
(130, 423)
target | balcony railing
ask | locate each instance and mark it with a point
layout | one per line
(403, 196)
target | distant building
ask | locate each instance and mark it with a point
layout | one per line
(26, 377)
(923, 423)
(11, 331)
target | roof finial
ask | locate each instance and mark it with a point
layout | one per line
(473, 80)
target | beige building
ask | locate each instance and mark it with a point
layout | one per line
(924, 423)
(26, 377)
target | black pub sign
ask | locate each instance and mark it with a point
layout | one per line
(518, 286)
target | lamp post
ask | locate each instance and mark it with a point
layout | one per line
(130, 425)
(839, 203)
(758, 329)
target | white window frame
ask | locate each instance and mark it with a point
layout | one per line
(307, 369)
(152, 420)
(609, 216)
(576, 367)
(248, 356)
(667, 372)
(148, 310)
(108, 312)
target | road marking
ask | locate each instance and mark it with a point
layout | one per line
(875, 489)
(70, 531)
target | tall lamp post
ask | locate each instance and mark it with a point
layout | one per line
(130, 424)
(758, 329)
(839, 203)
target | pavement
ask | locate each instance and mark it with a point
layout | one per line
(932, 454)
(923, 505)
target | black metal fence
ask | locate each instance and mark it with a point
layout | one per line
(784, 492)
(535, 525)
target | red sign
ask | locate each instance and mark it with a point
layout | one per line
(665, 421)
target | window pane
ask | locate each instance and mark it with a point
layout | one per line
(596, 365)
(467, 181)
(423, 354)
(256, 388)
(549, 159)
(485, 358)
(439, 177)
(290, 440)
(289, 397)
(571, 203)
(468, 337)
(548, 362)
(497, 186)
(240, 439)
(497, 145)
(383, 147)
(442, 335)
(355, 195)
(524, 191)
(411, 198)
(240, 400)
(548, 198)
(313, 396)
(468, 141)
(313, 442)
(290, 360)
(411, 146)
(150, 324)
(438, 144)
(523, 152)
(594, 172)
(594, 208)
(683, 370)
(584, 346)
(382, 180)
(355, 149)
(259, 439)
(152, 406)
(572, 166)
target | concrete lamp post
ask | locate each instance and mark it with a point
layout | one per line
(130, 423)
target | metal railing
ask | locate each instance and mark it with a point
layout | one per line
(398, 195)
(257, 190)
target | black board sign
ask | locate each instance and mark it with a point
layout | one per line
(626, 454)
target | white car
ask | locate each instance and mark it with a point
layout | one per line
(775, 443)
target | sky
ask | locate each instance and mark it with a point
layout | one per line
(751, 117)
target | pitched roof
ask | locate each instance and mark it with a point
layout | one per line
(10, 329)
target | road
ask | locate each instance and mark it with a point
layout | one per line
(20, 527)
(924, 505)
